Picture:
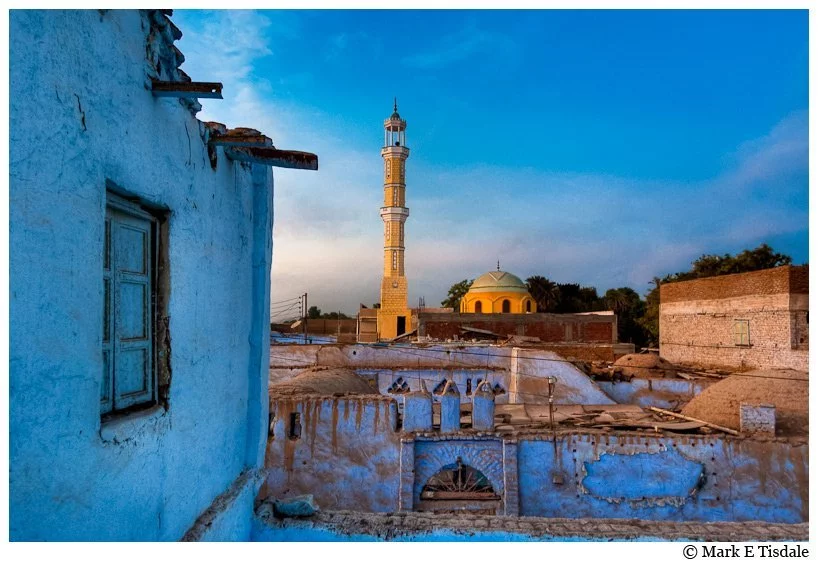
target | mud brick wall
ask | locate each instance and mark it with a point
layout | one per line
(549, 328)
(697, 320)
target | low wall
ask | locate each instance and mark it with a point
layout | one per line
(528, 380)
(662, 393)
(413, 526)
(550, 328)
(524, 369)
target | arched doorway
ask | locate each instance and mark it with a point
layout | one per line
(478, 307)
(506, 306)
(459, 488)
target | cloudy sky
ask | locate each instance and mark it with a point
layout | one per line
(597, 147)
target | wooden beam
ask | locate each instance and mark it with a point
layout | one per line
(168, 89)
(233, 140)
(273, 157)
(689, 419)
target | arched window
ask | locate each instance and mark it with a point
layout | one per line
(506, 307)
(458, 482)
(528, 306)
(478, 307)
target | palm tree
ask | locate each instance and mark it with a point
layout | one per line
(545, 292)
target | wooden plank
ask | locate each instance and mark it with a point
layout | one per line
(273, 157)
(168, 89)
(689, 419)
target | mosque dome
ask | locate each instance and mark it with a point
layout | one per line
(498, 292)
(495, 281)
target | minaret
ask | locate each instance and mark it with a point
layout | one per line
(394, 316)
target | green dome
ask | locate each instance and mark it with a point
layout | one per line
(497, 281)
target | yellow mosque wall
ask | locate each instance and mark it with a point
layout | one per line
(492, 302)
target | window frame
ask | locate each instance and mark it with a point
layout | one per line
(119, 211)
(738, 335)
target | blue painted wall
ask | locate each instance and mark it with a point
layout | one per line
(348, 455)
(688, 478)
(662, 393)
(81, 114)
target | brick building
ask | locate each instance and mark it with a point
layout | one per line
(749, 320)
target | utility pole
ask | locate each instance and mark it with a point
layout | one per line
(306, 318)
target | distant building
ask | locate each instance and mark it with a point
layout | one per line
(750, 320)
(498, 292)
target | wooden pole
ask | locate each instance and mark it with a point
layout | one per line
(689, 419)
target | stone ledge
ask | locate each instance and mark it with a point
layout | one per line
(395, 525)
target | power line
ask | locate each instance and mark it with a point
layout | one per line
(501, 356)
(293, 299)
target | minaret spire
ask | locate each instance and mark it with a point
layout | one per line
(396, 103)
(498, 264)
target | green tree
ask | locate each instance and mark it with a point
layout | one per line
(544, 292)
(762, 257)
(314, 312)
(629, 309)
(334, 316)
(456, 293)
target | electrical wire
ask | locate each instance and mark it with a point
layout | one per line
(405, 349)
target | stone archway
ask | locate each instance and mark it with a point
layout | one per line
(458, 487)
(433, 456)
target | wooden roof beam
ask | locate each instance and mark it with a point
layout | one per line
(168, 89)
(273, 157)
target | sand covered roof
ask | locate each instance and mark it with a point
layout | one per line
(785, 389)
(644, 366)
(332, 380)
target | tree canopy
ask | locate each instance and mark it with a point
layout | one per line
(314, 312)
(456, 293)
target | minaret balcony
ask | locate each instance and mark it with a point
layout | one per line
(395, 151)
(394, 214)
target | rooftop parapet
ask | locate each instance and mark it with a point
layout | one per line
(449, 408)
(417, 410)
(483, 407)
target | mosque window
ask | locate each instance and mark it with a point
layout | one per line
(129, 289)
(528, 306)
(388, 169)
(506, 307)
(394, 260)
(478, 307)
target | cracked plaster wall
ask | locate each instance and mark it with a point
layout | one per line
(650, 478)
(81, 115)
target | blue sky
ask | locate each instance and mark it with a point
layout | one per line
(599, 147)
